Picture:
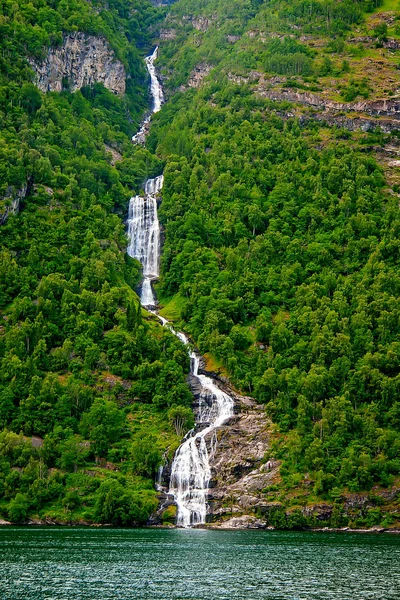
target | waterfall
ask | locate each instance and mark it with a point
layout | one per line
(190, 471)
(156, 95)
(156, 88)
(144, 236)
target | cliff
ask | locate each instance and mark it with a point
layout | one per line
(376, 108)
(81, 60)
(10, 203)
(240, 474)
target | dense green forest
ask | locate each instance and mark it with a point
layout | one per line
(285, 259)
(280, 257)
(89, 389)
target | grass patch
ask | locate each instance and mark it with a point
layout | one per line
(214, 365)
(171, 308)
(388, 5)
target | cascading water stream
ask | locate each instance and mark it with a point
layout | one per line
(190, 471)
(144, 236)
(157, 98)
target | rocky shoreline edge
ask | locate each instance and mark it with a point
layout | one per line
(240, 524)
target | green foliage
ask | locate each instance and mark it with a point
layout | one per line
(75, 353)
(265, 234)
(281, 259)
(18, 508)
(181, 418)
(146, 457)
(120, 504)
(241, 36)
(102, 425)
(381, 30)
(355, 89)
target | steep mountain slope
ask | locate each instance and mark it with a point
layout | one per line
(281, 250)
(280, 214)
(80, 365)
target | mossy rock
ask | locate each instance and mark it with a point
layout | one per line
(169, 515)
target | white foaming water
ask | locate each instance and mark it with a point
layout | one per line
(156, 94)
(144, 236)
(190, 471)
(156, 89)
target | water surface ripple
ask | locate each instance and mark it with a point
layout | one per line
(106, 564)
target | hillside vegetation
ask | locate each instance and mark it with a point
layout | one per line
(281, 246)
(87, 382)
(281, 253)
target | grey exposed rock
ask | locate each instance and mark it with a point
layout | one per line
(201, 23)
(115, 155)
(243, 522)
(195, 386)
(197, 75)
(81, 60)
(383, 107)
(36, 441)
(12, 202)
(357, 501)
(322, 512)
(238, 475)
(167, 34)
(351, 123)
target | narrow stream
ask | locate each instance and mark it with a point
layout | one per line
(190, 471)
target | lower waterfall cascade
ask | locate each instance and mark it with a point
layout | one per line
(190, 470)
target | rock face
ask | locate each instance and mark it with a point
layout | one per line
(167, 34)
(376, 108)
(81, 60)
(197, 75)
(239, 474)
(12, 202)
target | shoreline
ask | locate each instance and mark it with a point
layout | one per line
(210, 527)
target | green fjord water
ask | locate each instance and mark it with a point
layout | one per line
(106, 564)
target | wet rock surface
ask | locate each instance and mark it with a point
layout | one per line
(239, 474)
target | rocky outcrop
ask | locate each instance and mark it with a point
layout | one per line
(389, 44)
(201, 23)
(239, 473)
(365, 115)
(167, 34)
(243, 522)
(196, 76)
(115, 155)
(11, 202)
(350, 123)
(81, 60)
(383, 107)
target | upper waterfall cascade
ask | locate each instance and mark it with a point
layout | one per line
(157, 98)
(190, 471)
